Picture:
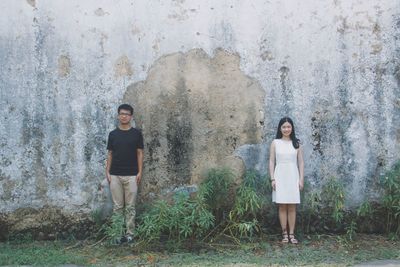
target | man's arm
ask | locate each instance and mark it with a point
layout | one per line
(140, 156)
(108, 165)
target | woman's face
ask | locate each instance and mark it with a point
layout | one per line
(286, 129)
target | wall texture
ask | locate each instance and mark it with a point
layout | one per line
(210, 81)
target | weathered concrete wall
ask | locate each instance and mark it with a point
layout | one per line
(334, 66)
(195, 111)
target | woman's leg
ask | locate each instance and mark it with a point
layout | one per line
(292, 222)
(283, 216)
(283, 219)
(291, 217)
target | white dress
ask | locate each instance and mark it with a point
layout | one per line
(286, 173)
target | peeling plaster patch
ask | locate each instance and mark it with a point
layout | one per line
(8, 187)
(190, 121)
(267, 55)
(396, 74)
(31, 2)
(179, 16)
(376, 49)
(64, 66)
(287, 91)
(123, 67)
(344, 26)
(376, 29)
(180, 13)
(103, 39)
(358, 139)
(398, 135)
(135, 30)
(265, 52)
(100, 12)
(156, 44)
(138, 33)
(397, 103)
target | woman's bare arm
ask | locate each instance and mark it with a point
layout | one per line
(272, 164)
(300, 162)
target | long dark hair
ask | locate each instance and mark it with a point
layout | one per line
(295, 141)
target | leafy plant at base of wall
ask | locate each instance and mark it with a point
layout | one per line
(365, 217)
(310, 211)
(189, 218)
(184, 219)
(152, 222)
(333, 198)
(115, 228)
(351, 230)
(250, 197)
(391, 200)
(215, 189)
(97, 217)
(365, 211)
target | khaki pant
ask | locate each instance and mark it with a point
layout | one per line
(124, 191)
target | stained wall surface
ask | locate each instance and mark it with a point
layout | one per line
(209, 81)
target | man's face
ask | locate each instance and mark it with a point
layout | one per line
(124, 116)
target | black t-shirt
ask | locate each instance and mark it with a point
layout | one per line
(124, 145)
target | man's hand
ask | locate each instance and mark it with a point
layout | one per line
(108, 166)
(138, 177)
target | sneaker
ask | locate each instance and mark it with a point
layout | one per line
(119, 240)
(129, 239)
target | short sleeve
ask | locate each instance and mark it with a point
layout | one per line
(140, 144)
(109, 142)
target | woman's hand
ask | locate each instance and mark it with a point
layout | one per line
(273, 184)
(301, 184)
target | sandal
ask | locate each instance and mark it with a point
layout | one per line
(293, 239)
(285, 237)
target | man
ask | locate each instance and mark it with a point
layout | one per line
(124, 167)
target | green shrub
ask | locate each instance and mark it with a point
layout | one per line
(351, 230)
(96, 216)
(365, 210)
(249, 200)
(153, 221)
(114, 229)
(323, 208)
(391, 200)
(215, 189)
(310, 209)
(187, 218)
(333, 198)
(184, 219)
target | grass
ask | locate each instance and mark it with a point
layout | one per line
(316, 251)
(38, 253)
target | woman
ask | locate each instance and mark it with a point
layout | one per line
(286, 167)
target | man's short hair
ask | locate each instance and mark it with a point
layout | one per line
(126, 107)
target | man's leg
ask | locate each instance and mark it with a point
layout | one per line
(130, 190)
(117, 194)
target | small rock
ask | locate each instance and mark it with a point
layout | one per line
(40, 236)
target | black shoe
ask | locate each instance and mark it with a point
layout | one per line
(129, 238)
(119, 240)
